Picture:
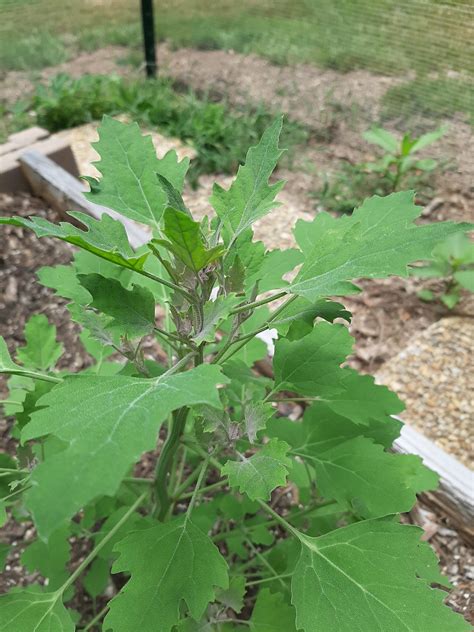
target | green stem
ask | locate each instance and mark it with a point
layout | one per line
(83, 565)
(17, 492)
(169, 284)
(185, 484)
(36, 375)
(248, 306)
(281, 521)
(242, 341)
(203, 490)
(262, 559)
(255, 582)
(96, 619)
(10, 401)
(196, 491)
(166, 457)
(139, 480)
(179, 365)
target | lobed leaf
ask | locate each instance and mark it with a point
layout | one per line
(129, 168)
(186, 241)
(169, 563)
(258, 475)
(132, 311)
(41, 351)
(26, 610)
(373, 575)
(107, 423)
(250, 197)
(104, 237)
(378, 240)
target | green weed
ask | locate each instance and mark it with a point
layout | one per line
(220, 134)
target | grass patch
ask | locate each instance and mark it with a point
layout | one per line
(220, 134)
(432, 98)
(33, 51)
(382, 37)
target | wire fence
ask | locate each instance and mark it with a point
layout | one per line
(429, 44)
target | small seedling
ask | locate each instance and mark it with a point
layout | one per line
(246, 519)
(453, 263)
(398, 168)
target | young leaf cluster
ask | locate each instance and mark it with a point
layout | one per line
(172, 461)
(399, 167)
(452, 262)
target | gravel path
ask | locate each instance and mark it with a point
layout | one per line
(433, 375)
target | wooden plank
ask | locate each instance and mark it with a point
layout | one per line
(64, 193)
(57, 149)
(23, 139)
(455, 495)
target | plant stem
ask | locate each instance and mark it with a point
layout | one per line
(281, 521)
(101, 544)
(185, 484)
(169, 284)
(96, 619)
(248, 306)
(139, 480)
(255, 582)
(179, 365)
(165, 460)
(36, 375)
(195, 493)
(203, 490)
(262, 559)
(242, 341)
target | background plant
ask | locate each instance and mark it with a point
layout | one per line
(221, 135)
(206, 539)
(452, 262)
(398, 168)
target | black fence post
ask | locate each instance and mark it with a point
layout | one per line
(148, 25)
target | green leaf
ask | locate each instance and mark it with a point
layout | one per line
(132, 311)
(233, 596)
(297, 319)
(41, 350)
(367, 479)
(129, 167)
(255, 417)
(382, 138)
(322, 429)
(170, 563)
(466, 279)
(258, 475)
(272, 613)
(26, 610)
(214, 313)
(63, 280)
(11, 368)
(376, 241)
(50, 558)
(104, 237)
(186, 241)
(373, 575)
(98, 419)
(274, 265)
(97, 577)
(428, 139)
(311, 366)
(250, 197)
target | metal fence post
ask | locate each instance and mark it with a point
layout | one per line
(148, 25)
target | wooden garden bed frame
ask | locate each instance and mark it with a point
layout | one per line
(455, 495)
